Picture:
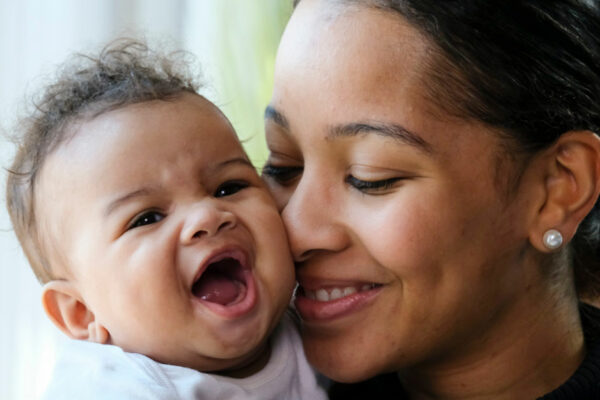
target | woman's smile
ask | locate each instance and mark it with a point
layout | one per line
(321, 301)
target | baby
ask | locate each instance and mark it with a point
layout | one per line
(159, 247)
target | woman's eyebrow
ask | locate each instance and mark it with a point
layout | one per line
(277, 117)
(391, 130)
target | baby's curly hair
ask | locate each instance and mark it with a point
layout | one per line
(125, 72)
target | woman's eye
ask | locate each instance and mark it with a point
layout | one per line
(147, 218)
(281, 175)
(372, 186)
(229, 188)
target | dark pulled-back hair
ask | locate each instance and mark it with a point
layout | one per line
(125, 72)
(528, 67)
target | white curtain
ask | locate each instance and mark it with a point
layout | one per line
(235, 43)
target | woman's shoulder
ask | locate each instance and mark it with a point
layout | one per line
(590, 319)
(585, 382)
(382, 387)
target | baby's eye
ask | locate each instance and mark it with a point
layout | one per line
(372, 187)
(229, 188)
(146, 218)
(280, 174)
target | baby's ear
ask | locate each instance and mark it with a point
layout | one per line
(70, 314)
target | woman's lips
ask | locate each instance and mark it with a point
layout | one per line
(330, 302)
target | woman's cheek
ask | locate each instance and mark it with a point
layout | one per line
(401, 235)
(280, 193)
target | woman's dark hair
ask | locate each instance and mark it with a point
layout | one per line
(125, 72)
(528, 67)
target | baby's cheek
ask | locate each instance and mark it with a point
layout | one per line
(277, 267)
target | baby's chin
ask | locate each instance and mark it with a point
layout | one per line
(235, 362)
(228, 349)
(248, 365)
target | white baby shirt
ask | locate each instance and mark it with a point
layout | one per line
(100, 372)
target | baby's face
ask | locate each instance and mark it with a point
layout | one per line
(168, 233)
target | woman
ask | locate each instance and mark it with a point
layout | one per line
(438, 171)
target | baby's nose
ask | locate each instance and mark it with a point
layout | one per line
(206, 220)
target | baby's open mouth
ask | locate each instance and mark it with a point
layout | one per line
(223, 282)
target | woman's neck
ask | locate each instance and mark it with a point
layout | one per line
(532, 349)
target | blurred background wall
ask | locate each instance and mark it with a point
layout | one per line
(235, 43)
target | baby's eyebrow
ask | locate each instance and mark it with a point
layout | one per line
(236, 160)
(214, 169)
(125, 198)
(146, 191)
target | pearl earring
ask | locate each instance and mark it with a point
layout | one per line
(553, 239)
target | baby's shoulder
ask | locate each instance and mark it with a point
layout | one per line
(97, 372)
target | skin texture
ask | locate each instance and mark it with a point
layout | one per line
(195, 194)
(455, 300)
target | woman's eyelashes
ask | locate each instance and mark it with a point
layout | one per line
(373, 187)
(286, 175)
(281, 175)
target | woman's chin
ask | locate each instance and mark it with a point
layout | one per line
(341, 362)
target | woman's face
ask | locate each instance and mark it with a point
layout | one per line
(401, 236)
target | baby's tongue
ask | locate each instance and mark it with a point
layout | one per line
(217, 287)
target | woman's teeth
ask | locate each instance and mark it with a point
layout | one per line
(331, 294)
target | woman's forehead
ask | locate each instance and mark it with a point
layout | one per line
(353, 67)
(328, 29)
(358, 56)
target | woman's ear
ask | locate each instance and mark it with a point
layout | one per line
(570, 170)
(70, 314)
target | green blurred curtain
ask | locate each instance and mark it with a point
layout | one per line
(238, 56)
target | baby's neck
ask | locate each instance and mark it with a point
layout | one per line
(251, 366)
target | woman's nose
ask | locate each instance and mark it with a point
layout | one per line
(206, 219)
(313, 219)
